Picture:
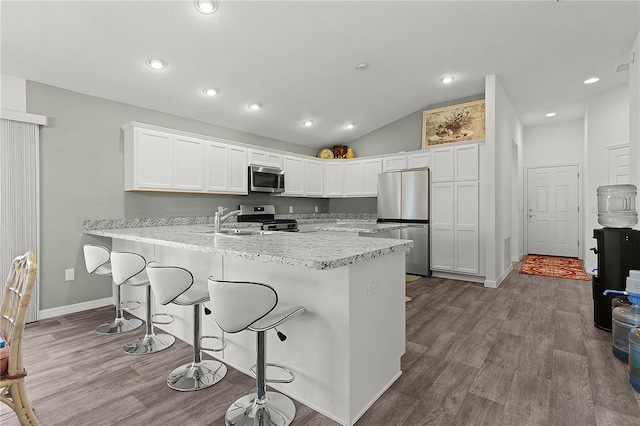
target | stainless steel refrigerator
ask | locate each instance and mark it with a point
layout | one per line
(403, 197)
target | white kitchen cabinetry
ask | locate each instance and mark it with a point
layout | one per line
(264, 158)
(397, 162)
(314, 178)
(371, 168)
(455, 209)
(187, 164)
(226, 167)
(353, 178)
(293, 176)
(333, 178)
(419, 160)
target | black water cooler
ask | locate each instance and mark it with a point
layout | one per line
(618, 251)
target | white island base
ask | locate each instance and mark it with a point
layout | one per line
(345, 350)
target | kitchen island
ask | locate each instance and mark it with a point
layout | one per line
(345, 350)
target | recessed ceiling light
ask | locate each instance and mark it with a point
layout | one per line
(255, 106)
(448, 79)
(591, 80)
(307, 123)
(550, 114)
(349, 126)
(206, 6)
(211, 91)
(363, 66)
(157, 63)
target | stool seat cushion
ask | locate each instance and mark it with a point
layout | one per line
(197, 293)
(103, 269)
(141, 279)
(280, 314)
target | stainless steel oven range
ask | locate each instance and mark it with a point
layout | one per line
(265, 214)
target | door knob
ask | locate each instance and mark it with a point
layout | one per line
(531, 215)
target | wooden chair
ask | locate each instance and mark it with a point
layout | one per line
(15, 302)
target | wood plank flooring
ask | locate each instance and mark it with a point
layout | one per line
(526, 354)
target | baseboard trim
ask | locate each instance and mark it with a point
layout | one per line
(496, 283)
(77, 307)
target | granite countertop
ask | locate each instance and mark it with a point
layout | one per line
(312, 250)
(364, 227)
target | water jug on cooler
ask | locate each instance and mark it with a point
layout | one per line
(617, 206)
(625, 317)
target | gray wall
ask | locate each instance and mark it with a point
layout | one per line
(81, 176)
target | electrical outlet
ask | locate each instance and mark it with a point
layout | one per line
(290, 209)
(69, 274)
(372, 288)
(316, 208)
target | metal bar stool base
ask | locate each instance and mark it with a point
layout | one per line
(149, 344)
(275, 409)
(119, 325)
(196, 376)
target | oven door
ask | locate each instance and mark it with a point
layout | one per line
(266, 179)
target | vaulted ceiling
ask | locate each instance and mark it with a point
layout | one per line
(298, 58)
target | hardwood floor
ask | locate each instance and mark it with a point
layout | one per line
(526, 353)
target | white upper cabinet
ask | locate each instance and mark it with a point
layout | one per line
(353, 178)
(187, 164)
(293, 175)
(333, 178)
(227, 171)
(419, 160)
(466, 161)
(372, 168)
(314, 178)
(264, 158)
(397, 162)
(442, 164)
(148, 160)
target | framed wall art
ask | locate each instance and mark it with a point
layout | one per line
(455, 123)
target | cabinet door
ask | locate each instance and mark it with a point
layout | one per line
(353, 178)
(293, 176)
(314, 178)
(398, 162)
(467, 243)
(466, 162)
(264, 158)
(419, 160)
(217, 171)
(442, 241)
(238, 174)
(153, 160)
(442, 164)
(333, 178)
(188, 164)
(372, 168)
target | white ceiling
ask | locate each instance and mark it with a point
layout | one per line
(298, 58)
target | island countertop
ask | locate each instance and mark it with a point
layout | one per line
(364, 227)
(312, 251)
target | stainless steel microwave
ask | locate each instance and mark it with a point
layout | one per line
(266, 179)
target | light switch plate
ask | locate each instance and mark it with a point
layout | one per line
(69, 274)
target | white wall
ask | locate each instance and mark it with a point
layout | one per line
(564, 139)
(606, 125)
(12, 93)
(503, 131)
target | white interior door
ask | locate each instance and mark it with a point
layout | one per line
(552, 211)
(618, 165)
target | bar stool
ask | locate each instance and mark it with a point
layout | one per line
(172, 284)
(238, 306)
(97, 260)
(130, 268)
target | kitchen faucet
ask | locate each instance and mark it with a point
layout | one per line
(217, 220)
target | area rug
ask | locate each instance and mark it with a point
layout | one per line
(408, 277)
(552, 266)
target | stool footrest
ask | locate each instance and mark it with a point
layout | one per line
(130, 305)
(222, 341)
(282, 367)
(166, 322)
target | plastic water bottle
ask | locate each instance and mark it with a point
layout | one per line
(625, 317)
(634, 358)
